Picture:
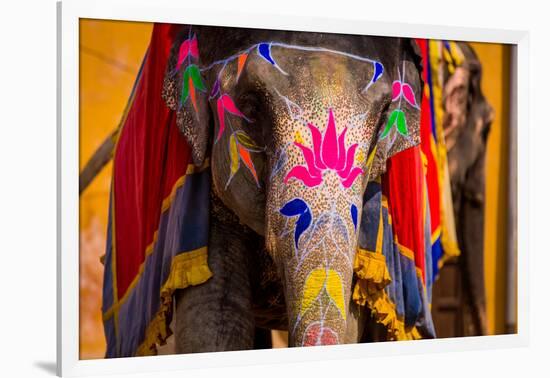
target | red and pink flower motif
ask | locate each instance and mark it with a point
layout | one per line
(401, 89)
(316, 334)
(329, 153)
(188, 47)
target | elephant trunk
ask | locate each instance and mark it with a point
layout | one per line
(312, 217)
(318, 293)
(313, 241)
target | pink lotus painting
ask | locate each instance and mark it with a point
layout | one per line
(329, 152)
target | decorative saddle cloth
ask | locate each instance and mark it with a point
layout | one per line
(393, 260)
(158, 220)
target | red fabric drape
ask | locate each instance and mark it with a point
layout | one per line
(150, 156)
(403, 184)
(428, 145)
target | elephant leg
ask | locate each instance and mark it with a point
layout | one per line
(217, 315)
(373, 331)
(355, 323)
(472, 238)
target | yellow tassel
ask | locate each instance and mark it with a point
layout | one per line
(372, 267)
(373, 276)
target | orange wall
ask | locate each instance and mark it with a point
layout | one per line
(110, 56)
(495, 59)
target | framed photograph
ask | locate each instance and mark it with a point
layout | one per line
(277, 189)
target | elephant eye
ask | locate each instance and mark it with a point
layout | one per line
(250, 104)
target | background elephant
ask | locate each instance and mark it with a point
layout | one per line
(466, 123)
(288, 121)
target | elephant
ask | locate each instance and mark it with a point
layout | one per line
(293, 125)
(466, 123)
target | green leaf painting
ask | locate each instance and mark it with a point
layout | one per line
(402, 124)
(397, 117)
(192, 73)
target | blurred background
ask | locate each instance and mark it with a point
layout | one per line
(110, 55)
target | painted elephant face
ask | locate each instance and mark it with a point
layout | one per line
(293, 145)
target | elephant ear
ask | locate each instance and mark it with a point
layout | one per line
(185, 92)
(399, 125)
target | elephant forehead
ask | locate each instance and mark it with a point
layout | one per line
(293, 122)
(297, 105)
(296, 108)
(306, 84)
(307, 141)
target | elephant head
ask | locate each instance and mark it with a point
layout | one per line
(467, 120)
(295, 124)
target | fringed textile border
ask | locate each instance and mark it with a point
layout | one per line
(166, 203)
(373, 276)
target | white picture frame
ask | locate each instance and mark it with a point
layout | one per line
(174, 11)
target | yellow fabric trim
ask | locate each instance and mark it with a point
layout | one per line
(453, 58)
(149, 249)
(166, 203)
(426, 90)
(457, 53)
(380, 234)
(448, 59)
(373, 276)
(386, 206)
(448, 231)
(384, 201)
(188, 269)
(191, 169)
(436, 234)
(424, 159)
(383, 311)
(405, 251)
(371, 267)
(419, 274)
